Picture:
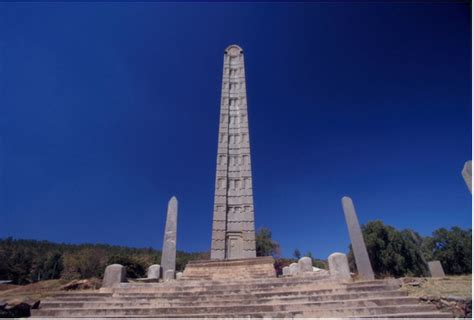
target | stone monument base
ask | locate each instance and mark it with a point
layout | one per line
(253, 268)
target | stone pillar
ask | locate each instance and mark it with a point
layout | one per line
(294, 269)
(168, 255)
(436, 269)
(305, 264)
(467, 174)
(233, 227)
(154, 271)
(339, 266)
(114, 274)
(364, 267)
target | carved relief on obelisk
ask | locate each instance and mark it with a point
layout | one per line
(233, 231)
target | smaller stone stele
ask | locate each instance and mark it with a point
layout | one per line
(339, 266)
(169, 275)
(114, 274)
(178, 275)
(285, 271)
(467, 174)
(305, 264)
(154, 271)
(436, 269)
(294, 269)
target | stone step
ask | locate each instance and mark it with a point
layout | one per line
(302, 290)
(245, 289)
(241, 311)
(317, 300)
(227, 295)
(235, 298)
(199, 283)
(431, 315)
(314, 290)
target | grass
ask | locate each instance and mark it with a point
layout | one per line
(34, 291)
(460, 286)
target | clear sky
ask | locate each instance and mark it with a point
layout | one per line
(107, 110)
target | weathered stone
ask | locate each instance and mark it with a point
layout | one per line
(361, 256)
(178, 275)
(154, 271)
(169, 275)
(233, 230)
(235, 269)
(114, 274)
(339, 266)
(285, 271)
(467, 174)
(294, 269)
(305, 264)
(168, 256)
(436, 269)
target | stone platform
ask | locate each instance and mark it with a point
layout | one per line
(287, 297)
(252, 268)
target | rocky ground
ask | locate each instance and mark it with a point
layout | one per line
(453, 293)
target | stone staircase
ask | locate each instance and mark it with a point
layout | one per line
(308, 296)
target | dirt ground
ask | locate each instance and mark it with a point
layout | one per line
(35, 291)
(459, 286)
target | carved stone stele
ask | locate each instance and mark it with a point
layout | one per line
(294, 269)
(305, 264)
(154, 271)
(436, 269)
(168, 255)
(467, 174)
(364, 268)
(114, 274)
(233, 230)
(339, 266)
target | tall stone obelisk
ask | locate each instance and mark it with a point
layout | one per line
(233, 230)
(358, 245)
(168, 254)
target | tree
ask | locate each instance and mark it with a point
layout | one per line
(266, 246)
(297, 254)
(452, 248)
(134, 267)
(391, 252)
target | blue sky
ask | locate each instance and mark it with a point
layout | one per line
(107, 110)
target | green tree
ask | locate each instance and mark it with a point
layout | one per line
(134, 267)
(391, 252)
(452, 248)
(297, 254)
(266, 246)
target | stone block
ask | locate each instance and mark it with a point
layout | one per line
(154, 271)
(114, 274)
(305, 264)
(286, 271)
(178, 275)
(339, 266)
(294, 269)
(169, 275)
(436, 269)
